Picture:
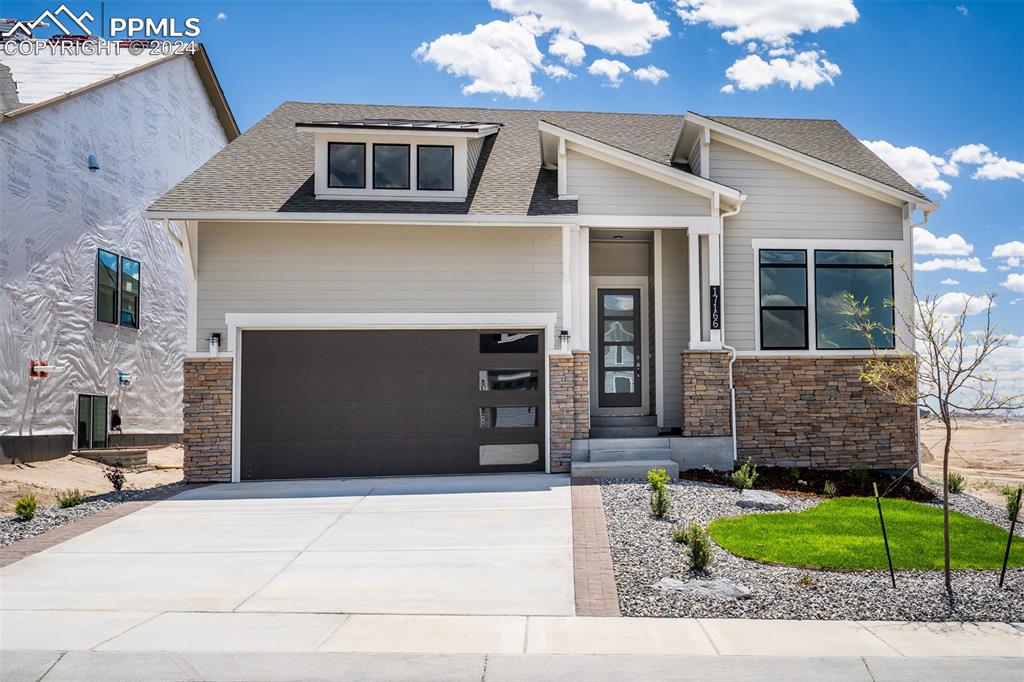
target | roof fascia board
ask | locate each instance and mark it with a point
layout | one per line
(402, 132)
(806, 163)
(364, 218)
(208, 77)
(637, 163)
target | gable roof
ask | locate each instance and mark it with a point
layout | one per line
(32, 82)
(823, 139)
(269, 168)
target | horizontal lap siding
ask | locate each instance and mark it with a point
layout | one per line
(604, 189)
(783, 203)
(311, 268)
(675, 307)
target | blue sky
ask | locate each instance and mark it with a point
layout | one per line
(926, 82)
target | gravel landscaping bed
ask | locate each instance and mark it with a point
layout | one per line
(13, 529)
(643, 553)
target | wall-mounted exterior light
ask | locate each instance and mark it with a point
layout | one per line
(563, 338)
(214, 344)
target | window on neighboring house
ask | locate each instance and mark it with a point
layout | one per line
(391, 166)
(118, 286)
(130, 284)
(346, 165)
(435, 167)
(868, 276)
(92, 421)
(106, 286)
(783, 286)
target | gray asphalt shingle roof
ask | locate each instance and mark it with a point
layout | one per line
(270, 167)
(824, 139)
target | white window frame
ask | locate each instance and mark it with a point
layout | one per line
(901, 291)
(460, 169)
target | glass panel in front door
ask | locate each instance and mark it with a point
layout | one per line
(619, 375)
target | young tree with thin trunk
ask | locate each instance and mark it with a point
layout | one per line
(938, 364)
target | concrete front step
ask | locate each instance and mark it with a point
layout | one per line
(123, 457)
(649, 420)
(629, 469)
(623, 431)
(629, 455)
(598, 444)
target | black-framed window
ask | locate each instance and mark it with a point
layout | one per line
(391, 166)
(92, 421)
(346, 165)
(508, 417)
(106, 286)
(783, 306)
(509, 379)
(131, 283)
(509, 342)
(868, 276)
(435, 167)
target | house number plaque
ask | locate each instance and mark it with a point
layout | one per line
(716, 306)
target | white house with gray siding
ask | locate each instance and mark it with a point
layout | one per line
(384, 290)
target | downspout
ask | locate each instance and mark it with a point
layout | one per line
(732, 351)
(917, 410)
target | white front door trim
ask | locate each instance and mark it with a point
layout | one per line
(239, 322)
(621, 282)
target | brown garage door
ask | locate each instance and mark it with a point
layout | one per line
(383, 403)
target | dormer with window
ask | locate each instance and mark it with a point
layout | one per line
(397, 160)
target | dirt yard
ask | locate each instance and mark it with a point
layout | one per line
(989, 452)
(46, 479)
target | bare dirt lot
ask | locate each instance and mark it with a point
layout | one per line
(46, 479)
(988, 451)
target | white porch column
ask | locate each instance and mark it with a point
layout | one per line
(568, 274)
(581, 333)
(715, 280)
(693, 277)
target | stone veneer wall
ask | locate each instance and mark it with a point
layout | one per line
(569, 394)
(207, 417)
(706, 404)
(816, 412)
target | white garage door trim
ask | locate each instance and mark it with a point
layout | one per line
(239, 322)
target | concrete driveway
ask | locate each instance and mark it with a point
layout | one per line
(496, 544)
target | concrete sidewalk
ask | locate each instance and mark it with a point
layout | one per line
(85, 666)
(248, 632)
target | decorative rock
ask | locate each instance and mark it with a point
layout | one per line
(719, 588)
(762, 499)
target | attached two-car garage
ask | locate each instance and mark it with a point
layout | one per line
(326, 403)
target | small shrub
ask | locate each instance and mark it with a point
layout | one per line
(25, 507)
(69, 498)
(656, 477)
(698, 544)
(794, 473)
(806, 580)
(116, 477)
(679, 534)
(1012, 505)
(956, 482)
(829, 489)
(859, 478)
(660, 501)
(744, 477)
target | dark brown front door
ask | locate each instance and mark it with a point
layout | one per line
(619, 351)
(320, 404)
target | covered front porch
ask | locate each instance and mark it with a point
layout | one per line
(646, 315)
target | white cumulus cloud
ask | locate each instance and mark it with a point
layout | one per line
(962, 9)
(615, 26)
(221, 16)
(953, 303)
(1014, 249)
(498, 57)
(772, 21)
(557, 71)
(990, 166)
(927, 243)
(611, 69)
(949, 282)
(805, 70)
(651, 74)
(918, 167)
(570, 51)
(728, 88)
(966, 264)
(1014, 282)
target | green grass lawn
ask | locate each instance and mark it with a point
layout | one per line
(845, 533)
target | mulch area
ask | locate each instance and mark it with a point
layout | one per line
(810, 483)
